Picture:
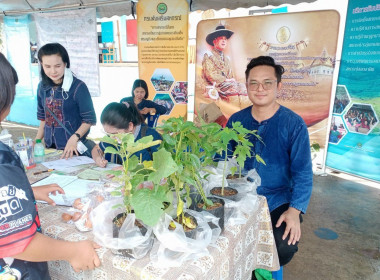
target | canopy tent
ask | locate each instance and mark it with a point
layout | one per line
(108, 8)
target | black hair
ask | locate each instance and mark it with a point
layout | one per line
(119, 115)
(140, 83)
(8, 81)
(51, 49)
(268, 61)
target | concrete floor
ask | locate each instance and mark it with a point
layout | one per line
(340, 233)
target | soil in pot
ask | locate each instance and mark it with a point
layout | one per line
(231, 177)
(189, 228)
(217, 209)
(229, 193)
(118, 222)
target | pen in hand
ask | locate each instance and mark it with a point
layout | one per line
(104, 162)
(40, 172)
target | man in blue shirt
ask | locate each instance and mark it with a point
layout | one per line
(286, 177)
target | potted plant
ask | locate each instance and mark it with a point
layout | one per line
(190, 151)
(141, 182)
(242, 151)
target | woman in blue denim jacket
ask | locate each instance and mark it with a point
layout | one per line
(67, 98)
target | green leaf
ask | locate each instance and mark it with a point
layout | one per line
(164, 165)
(259, 159)
(169, 139)
(132, 163)
(111, 150)
(148, 205)
(195, 161)
(107, 139)
(141, 146)
(116, 193)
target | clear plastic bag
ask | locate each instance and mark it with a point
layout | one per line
(175, 247)
(131, 241)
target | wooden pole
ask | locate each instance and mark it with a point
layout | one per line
(118, 36)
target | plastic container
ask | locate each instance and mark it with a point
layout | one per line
(39, 152)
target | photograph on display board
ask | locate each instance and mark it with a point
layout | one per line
(162, 79)
(337, 130)
(179, 92)
(304, 44)
(164, 100)
(342, 99)
(360, 118)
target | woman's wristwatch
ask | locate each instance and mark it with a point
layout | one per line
(77, 134)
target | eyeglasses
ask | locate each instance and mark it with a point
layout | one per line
(267, 85)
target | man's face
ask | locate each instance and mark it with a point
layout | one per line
(262, 86)
(220, 43)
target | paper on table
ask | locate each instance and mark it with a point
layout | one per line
(65, 163)
(74, 188)
(109, 166)
(90, 174)
(61, 180)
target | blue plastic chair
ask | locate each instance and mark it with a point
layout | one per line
(151, 120)
(277, 275)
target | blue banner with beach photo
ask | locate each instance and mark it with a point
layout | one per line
(354, 140)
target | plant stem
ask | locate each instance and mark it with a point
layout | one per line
(224, 171)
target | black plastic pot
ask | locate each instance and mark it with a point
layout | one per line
(217, 212)
(190, 233)
(217, 191)
(117, 222)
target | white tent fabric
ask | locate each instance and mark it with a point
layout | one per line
(108, 8)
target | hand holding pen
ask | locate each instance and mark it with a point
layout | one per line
(101, 161)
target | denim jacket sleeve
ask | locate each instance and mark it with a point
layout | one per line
(300, 168)
(86, 108)
(40, 106)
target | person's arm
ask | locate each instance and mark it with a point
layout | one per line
(40, 131)
(40, 114)
(153, 108)
(83, 99)
(98, 156)
(302, 178)
(81, 255)
(42, 192)
(71, 145)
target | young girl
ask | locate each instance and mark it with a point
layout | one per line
(139, 97)
(65, 96)
(123, 118)
(24, 249)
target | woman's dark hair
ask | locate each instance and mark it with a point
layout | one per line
(268, 61)
(51, 49)
(119, 115)
(8, 81)
(140, 83)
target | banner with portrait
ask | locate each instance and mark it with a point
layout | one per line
(162, 28)
(304, 43)
(354, 138)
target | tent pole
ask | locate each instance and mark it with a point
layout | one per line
(118, 37)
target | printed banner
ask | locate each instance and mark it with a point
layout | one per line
(354, 139)
(19, 55)
(76, 31)
(162, 28)
(304, 43)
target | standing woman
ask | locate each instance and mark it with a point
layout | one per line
(24, 249)
(139, 97)
(63, 100)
